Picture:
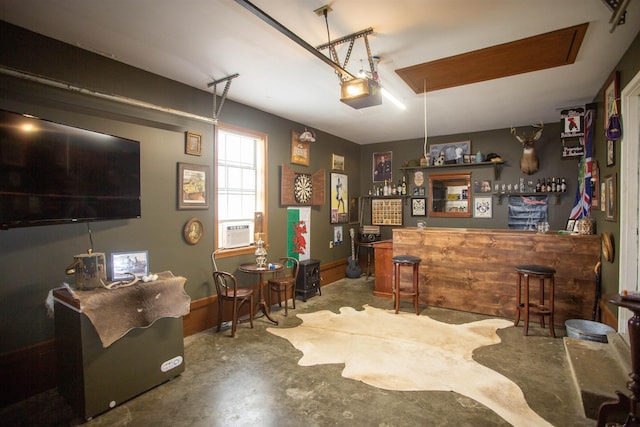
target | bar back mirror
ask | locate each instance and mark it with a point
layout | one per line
(450, 195)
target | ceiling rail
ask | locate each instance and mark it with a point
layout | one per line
(117, 98)
(295, 38)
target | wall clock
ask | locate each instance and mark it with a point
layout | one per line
(302, 188)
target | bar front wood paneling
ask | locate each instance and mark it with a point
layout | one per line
(474, 270)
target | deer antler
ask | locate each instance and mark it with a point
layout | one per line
(528, 140)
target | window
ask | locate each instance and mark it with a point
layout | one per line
(241, 187)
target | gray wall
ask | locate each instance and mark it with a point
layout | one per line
(628, 67)
(32, 260)
(549, 149)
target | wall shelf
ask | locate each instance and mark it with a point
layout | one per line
(501, 194)
(497, 167)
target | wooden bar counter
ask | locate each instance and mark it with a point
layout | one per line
(474, 269)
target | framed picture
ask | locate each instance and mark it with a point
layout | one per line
(382, 166)
(337, 162)
(611, 95)
(449, 152)
(193, 144)
(603, 195)
(386, 211)
(418, 206)
(354, 211)
(193, 230)
(595, 184)
(338, 235)
(570, 225)
(124, 264)
(419, 191)
(193, 186)
(610, 197)
(339, 193)
(482, 207)
(611, 152)
(482, 186)
(300, 150)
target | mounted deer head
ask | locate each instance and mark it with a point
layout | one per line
(529, 161)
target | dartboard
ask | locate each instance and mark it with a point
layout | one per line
(302, 188)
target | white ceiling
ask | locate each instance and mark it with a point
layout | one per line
(198, 41)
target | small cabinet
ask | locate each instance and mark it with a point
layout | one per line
(450, 195)
(308, 281)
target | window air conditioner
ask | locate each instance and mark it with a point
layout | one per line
(236, 235)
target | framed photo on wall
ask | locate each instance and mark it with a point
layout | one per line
(354, 211)
(193, 186)
(338, 235)
(482, 207)
(611, 95)
(611, 152)
(595, 185)
(386, 211)
(339, 196)
(382, 166)
(337, 162)
(610, 197)
(193, 144)
(418, 206)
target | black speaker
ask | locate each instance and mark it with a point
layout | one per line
(369, 237)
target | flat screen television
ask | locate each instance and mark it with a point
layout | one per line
(52, 173)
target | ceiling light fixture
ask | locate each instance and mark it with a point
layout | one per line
(307, 136)
(361, 93)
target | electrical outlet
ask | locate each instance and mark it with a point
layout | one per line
(330, 244)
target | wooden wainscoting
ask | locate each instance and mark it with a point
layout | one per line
(204, 312)
(607, 316)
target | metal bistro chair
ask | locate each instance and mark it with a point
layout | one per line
(228, 291)
(285, 280)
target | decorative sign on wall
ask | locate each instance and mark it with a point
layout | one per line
(300, 150)
(572, 121)
(339, 196)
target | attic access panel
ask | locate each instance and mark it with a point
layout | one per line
(535, 53)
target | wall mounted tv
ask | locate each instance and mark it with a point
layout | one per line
(52, 173)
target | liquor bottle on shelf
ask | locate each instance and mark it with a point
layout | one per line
(538, 186)
(553, 185)
(543, 186)
(563, 186)
(404, 187)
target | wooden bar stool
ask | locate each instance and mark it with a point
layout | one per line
(414, 262)
(540, 308)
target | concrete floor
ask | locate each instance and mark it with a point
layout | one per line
(253, 380)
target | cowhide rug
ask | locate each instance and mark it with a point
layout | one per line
(406, 352)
